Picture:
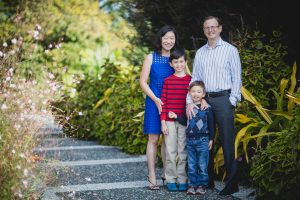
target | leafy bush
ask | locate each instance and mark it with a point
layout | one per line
(276, 169)
(263, 63)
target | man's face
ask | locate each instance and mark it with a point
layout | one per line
(212, 29)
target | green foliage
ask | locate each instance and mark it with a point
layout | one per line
(262, 62)
(276, 169)
(111, 108)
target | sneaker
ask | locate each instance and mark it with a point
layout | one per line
(190, 190)
(200, 190)
(182, 186)
(172, 187)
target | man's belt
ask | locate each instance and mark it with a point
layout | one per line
(217, 94)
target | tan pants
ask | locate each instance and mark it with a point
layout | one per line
(175, 169)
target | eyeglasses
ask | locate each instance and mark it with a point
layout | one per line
(210, 27)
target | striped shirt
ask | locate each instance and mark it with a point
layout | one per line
(219, 68)
(173, 95)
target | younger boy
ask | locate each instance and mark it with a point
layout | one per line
(199, 140)
(174, 99)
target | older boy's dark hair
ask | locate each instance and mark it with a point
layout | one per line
(197, 83)
(176, 54)
(162, 31)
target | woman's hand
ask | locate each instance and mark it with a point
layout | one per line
(164, 128)
(172, 115)
(158, 104)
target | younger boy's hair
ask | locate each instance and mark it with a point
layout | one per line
(197, 83)
(177, 53)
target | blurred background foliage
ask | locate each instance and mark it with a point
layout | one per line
(95, 50)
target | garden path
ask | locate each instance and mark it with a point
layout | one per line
(87, 170)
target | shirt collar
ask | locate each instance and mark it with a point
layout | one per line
(219, 43)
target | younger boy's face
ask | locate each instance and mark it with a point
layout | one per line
(178, 64)
(196, 94)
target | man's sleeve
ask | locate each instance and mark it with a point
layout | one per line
(236, 77)
(195, 75)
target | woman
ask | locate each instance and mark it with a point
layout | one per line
(156, 66)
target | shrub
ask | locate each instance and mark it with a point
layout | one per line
(276, 169)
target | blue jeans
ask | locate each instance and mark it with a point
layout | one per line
(198, 156)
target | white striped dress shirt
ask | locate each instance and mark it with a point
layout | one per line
(219, 68)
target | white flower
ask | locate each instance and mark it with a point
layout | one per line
(80, 113)
(18, 167)
(13, 151)
(12, 85)
(14, 41)
(51, 76)
(1, 53)
(20, 195)
(22, 155)
(50, 46)
(46, 51)
(3, 107)
(38, 27)
(25, 183)
(5, 44)
(17, 126)
(25, 172)
(11, 71)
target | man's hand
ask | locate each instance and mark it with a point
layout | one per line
(158, 104)
(164, 127)
(204, 104)
(172, 115)
(189, 110)
(210, 144)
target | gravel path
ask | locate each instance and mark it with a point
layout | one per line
(89, 171)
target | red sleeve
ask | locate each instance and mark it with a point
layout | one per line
(163, 115)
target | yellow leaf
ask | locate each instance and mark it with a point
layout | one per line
(283, 114)
(248, 96)
(139, 114)
(99, 103)
(293, 98)
(240, 135)
(291, 103)
(243, 118)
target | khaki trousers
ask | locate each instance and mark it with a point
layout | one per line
(176, 156)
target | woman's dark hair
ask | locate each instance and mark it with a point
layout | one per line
(176, 54)
(197, 83)
(162, 31)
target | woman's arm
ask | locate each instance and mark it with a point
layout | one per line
(143, 82)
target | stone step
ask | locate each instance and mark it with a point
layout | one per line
(63, 142)
(84, 154)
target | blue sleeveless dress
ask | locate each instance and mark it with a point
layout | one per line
(160, 69)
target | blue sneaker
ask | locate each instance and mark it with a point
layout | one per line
(172, 186)
(182, 186)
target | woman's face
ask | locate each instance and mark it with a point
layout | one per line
(168, 41)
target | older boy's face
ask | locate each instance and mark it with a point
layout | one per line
(178, 64)
(197, 94)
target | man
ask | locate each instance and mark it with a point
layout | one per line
(218, 65)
